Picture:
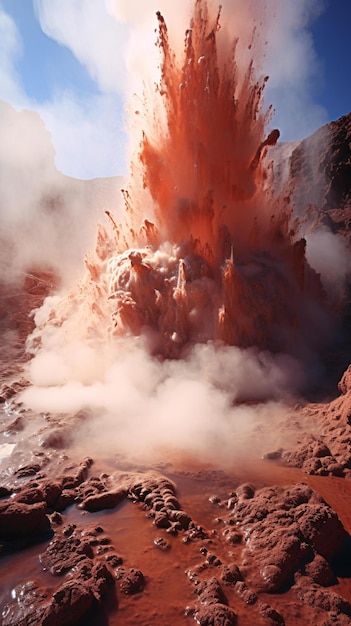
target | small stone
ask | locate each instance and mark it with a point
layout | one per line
(162, 544)
(132, 582)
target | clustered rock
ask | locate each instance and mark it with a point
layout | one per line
(213, 605)
(291, 538)
(326, 451)
(83, 556)
(86, 582)
(283, 538)
(32, 509)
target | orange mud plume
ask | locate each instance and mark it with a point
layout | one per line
(206, 252)
(199, 155)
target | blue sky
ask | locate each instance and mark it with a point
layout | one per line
(331, 34)
(43, 65)
(67, 60)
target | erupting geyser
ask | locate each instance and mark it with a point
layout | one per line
(206, 251)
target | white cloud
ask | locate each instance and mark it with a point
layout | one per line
(88, 135)
(10, 50)
(87, 132)
(295, 72)
(94, 37)
(115, 41)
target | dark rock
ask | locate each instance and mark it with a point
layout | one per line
(273, 455)
(245, 593)
(245, 491)
(27, 470)
(232, 536)
(101, 501)
(22, 520)
(9, 391)
(45, 491)
(17, 425)
(320, 572)
(79, 475)
(319, 598)
(58, 438)
(114, 560)
(321, 527)
(284, 528)
(102, 578)
(211, 592)
(27, 606)
(162, 544)
(214, 500)
(69, 605)
(67, 497)
(216, 615)
(212, 559)
(52, 491)
(270, 614)
(65, 551)
(320, 167)
(161, 519)
(231, 574)
(31, 495)
(56, 518)
(330, 453)
(132, 581)
(344, 385)
(181, 517)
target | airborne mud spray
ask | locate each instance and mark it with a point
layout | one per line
(202, 295)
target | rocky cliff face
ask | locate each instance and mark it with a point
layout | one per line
(318, 169)
(317, 173)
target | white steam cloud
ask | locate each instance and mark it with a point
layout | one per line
(295, 72)
(114, 41)
(88, 30)
(330, 256)
(47, 220)
(96, 147)
(10, 49)
(141, 406)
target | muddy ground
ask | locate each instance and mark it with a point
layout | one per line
(90, 540)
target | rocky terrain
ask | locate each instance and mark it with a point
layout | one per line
(319, 170)
(90, 540)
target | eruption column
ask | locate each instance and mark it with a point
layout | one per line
(205, 251)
